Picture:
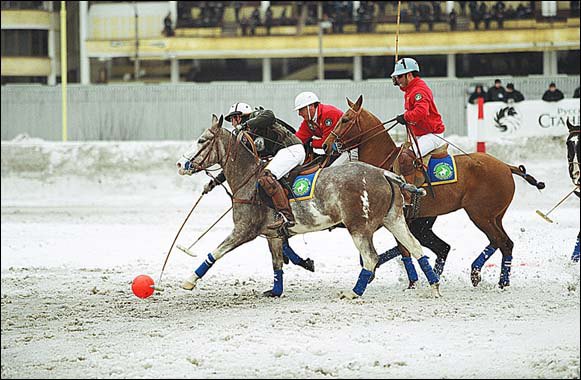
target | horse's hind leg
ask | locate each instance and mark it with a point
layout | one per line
(421, 228)
(506, 247)
(492, 227)
(402, 234)
(364, 243)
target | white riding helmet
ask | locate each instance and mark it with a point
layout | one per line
(304, 99)
(404, 66)
(238, 109)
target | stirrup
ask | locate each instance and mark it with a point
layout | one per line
(281, 221)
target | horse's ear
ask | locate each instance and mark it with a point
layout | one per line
(220, 121)
(358, 103)
(214, 119)
(349, 102)
(569, 125)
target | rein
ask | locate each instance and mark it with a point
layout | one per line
(231, 155)
(355, 122)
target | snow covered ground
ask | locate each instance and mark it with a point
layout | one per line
(81, 220)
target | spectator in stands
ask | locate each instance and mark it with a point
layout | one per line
(478, 93)
(268, 20)
(576, 93)
(284, 20)
(453, 19)
(496, 93)
(254, 21)
(574, 8)
(237, 7)
(475, 14)
(167, 26)
(462, 8)
(499, 17)
(244, 25)
(512, 95)
(553, 94)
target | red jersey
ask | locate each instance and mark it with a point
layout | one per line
(327, 118)
(421, 112)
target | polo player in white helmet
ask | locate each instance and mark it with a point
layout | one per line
(318, 119)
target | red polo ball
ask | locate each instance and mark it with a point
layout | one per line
(141, 286)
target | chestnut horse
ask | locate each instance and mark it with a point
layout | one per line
(485, 189)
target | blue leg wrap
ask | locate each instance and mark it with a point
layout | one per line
(410, 269)
(278, 284)
(428, 271)
(505, 271)
(291, 254)
(362, 282)
(575, 256)
(484, 256)
(207, 264)
(388, 255)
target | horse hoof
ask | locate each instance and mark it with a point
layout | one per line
(475, 277)
(411, 285)
(270, 293)
(285, 259)
(309, 265)
(371, 278)
(348, 295)
(436, 290)
(503, 285)
(187, 285)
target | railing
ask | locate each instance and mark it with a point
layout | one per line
(182, 111)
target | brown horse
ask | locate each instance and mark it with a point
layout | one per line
(485, 189)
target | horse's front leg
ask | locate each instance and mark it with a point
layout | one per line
(236, 238)
(275, 246)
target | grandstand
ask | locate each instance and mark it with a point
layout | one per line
(245, 45)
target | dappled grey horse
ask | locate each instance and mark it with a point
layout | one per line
(356, 194)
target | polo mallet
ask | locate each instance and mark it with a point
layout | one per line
(187, 250)
(397, 38)
(158, 287)
(546, 216)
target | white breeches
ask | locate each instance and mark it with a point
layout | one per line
(429, 142)
(286, 159)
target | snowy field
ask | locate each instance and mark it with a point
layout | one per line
(81, 220)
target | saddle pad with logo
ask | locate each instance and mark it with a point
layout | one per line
(442, 170)
(304, 186)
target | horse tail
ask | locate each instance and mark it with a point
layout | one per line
(521, 171)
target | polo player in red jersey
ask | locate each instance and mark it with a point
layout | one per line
(318, 119)
(421, 114)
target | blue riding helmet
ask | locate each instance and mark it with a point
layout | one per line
(404, 66)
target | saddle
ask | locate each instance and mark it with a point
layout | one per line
(413, 168)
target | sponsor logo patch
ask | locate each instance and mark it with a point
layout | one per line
(443, 171)
(328, 122)
(418, 97)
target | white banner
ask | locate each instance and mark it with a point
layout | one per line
(523, 119)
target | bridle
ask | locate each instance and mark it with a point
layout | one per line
(355, 141)
(230, 156)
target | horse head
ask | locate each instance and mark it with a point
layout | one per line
(572, 127)
(344, 136)
(205, 152)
